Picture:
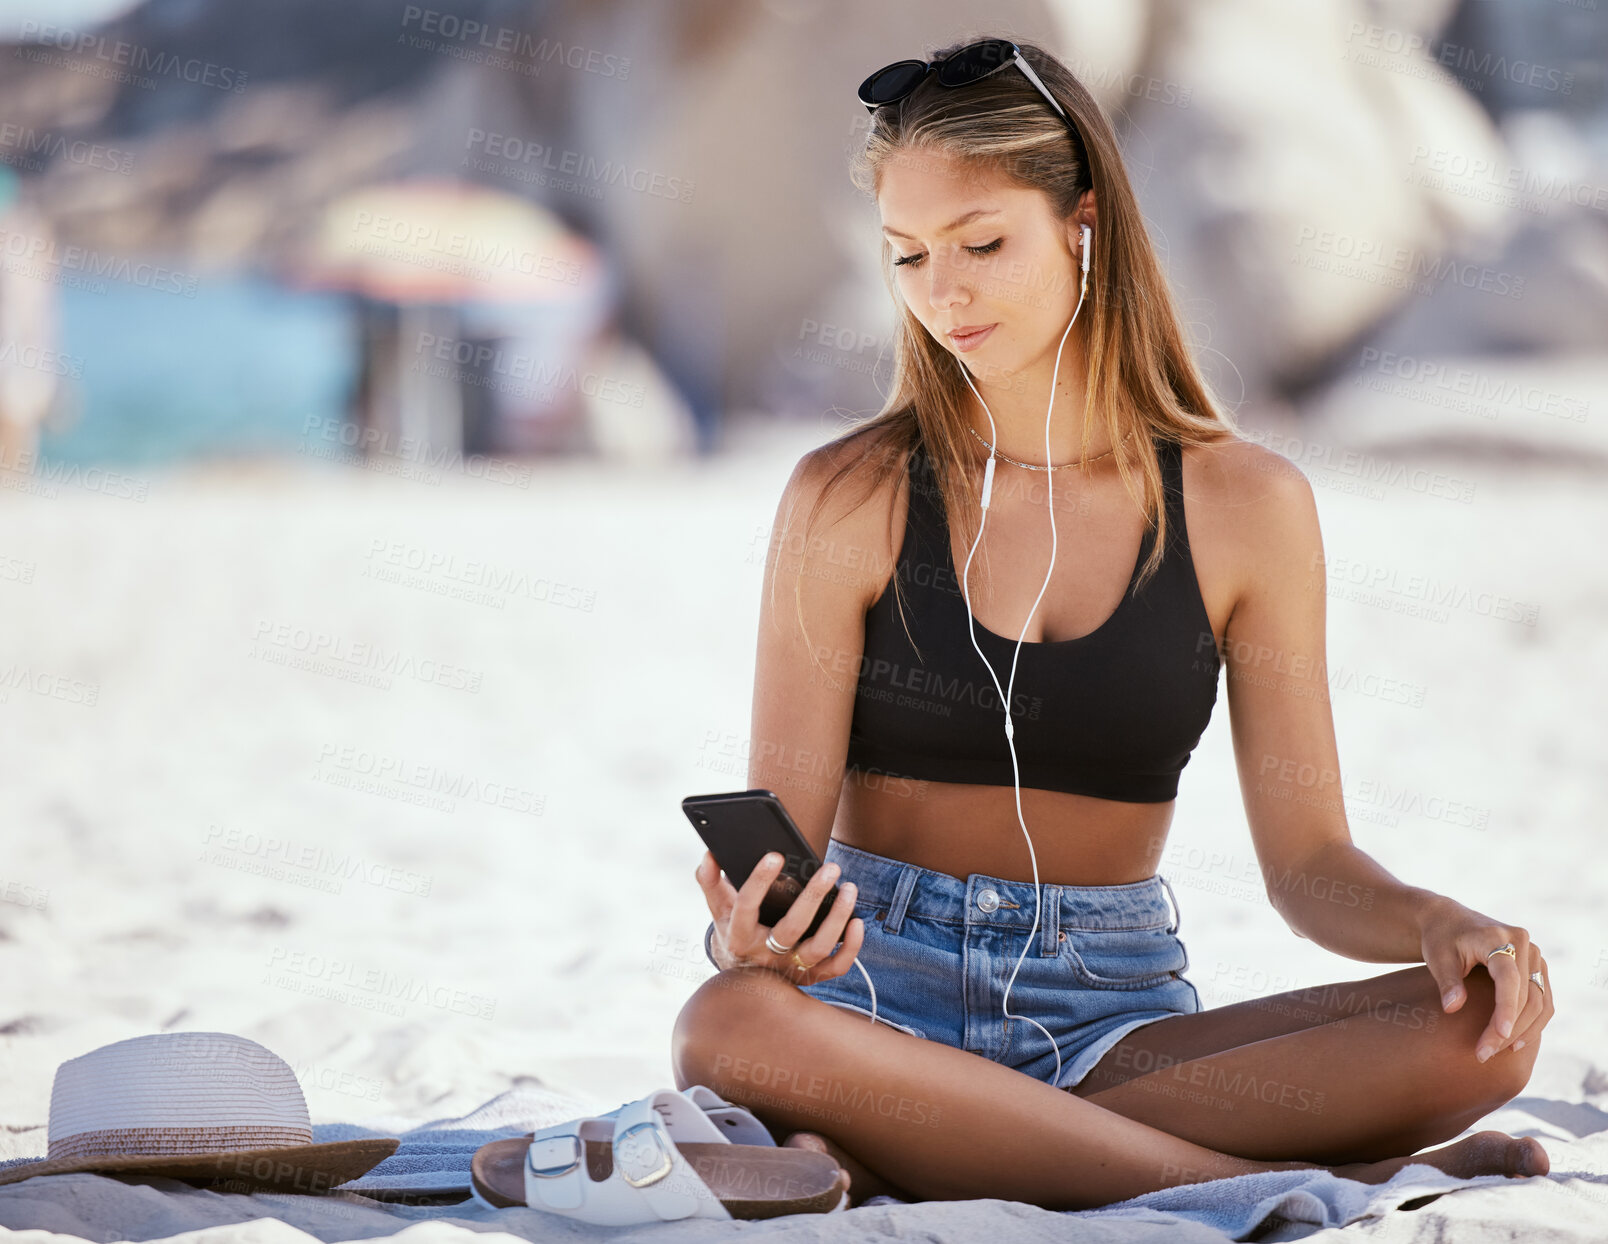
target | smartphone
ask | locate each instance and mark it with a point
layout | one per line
(740, 829)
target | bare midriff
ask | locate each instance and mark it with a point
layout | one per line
(962, 829)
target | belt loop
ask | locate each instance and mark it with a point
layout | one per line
(1177, 917)
(894, 920)
(1050, 921)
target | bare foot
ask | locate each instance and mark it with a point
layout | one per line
(1484, 1153)
(863, 1182)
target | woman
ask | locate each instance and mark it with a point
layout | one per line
(973, 863)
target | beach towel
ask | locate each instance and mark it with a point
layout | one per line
(1420, 1204)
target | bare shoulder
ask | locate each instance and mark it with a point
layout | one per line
(856, 504)
(1247, 486)
(1252, 517)
(1238, 473)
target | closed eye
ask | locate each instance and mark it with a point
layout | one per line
(913, 260)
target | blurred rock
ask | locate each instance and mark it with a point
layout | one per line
(1491, 407)
(639, 416)
(1280, 202)
(1314, 178)
(754, 106)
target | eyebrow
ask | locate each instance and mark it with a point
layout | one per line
(953, 224)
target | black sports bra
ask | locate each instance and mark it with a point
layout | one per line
(1114, 713)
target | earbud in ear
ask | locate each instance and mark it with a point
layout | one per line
(1088, 247)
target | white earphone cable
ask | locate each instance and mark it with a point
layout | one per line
(1005, 693)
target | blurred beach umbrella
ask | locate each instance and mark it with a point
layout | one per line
(446, 254)
(447, 242)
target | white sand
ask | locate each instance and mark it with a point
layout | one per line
(558, 936)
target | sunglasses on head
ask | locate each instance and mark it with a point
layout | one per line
(962, 67)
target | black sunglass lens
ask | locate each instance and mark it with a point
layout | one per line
(893, 82)
(976, 61)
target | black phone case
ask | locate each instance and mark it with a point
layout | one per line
(740, 828)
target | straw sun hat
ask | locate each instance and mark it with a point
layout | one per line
(206, 1106)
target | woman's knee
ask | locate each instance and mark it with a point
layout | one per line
(1499, 1078)
(725, 1015)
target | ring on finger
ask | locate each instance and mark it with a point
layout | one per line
(774, 946)
(1536, 977)
(802, 966)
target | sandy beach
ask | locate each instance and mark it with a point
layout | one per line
(384, 772)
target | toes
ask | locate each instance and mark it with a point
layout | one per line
(817, 1142)
(1531, 1158)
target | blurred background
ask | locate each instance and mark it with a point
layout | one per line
(394, 403)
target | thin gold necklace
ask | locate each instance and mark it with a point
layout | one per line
(1028, 466)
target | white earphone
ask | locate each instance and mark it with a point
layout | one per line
(1087, 235)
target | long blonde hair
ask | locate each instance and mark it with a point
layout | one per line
(1140, 378)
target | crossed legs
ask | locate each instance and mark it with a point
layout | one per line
(1356, 1071)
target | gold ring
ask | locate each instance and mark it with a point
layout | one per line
(1506, 948)
(803, 967)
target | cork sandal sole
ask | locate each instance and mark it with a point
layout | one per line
(751, 1181)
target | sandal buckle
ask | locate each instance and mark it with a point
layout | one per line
(553, 1172)
(659, 1172)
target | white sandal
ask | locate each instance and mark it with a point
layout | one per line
(666, 1156)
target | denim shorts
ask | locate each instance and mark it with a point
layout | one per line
(1105, 960)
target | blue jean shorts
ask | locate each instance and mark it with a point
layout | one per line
(1104, 961)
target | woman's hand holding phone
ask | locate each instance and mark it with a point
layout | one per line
(740, 937)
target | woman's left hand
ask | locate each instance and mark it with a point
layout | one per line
(1455, 939)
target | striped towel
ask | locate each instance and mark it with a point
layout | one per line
(433, 1157)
